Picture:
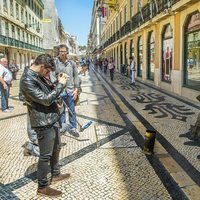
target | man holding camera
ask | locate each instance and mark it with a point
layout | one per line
(41, 100)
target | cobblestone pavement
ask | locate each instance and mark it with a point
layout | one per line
(107, 161)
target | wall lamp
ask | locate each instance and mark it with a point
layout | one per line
(30, 25)
(99, 11)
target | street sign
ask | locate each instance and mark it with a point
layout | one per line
(46, 20)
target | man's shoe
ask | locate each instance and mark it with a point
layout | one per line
(74, 133)
(26, 152)
(49, 192)
(59, 177)
(6, 111)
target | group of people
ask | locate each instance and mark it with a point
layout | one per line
(48, 88)
(8, 72)
(104, 64)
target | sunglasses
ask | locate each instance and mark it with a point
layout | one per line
(64, 52)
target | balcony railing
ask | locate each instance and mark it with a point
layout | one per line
(3, 39)
(194, 44)
(16, 43)
(127, 27)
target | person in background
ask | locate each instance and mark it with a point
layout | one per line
(111, 67)
(32, 60)
(14, 68)
(40, 98)
(5, 84)
(70, 94)
(105, 65)
(133, 70)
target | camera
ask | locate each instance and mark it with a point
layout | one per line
(63, 74)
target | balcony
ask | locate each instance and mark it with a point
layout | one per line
(19, 44)
(149, 11)
(3, 39)
(194, 44)
(127, 27)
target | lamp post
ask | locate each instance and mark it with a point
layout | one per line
(30, 25)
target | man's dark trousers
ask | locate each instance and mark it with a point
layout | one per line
(49, 144)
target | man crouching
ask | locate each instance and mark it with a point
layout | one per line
(40, 97)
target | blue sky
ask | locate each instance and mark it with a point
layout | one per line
(76, 17)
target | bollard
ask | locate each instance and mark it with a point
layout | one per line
(149, 141)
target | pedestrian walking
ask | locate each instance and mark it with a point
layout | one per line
(14, 68)
(32, 60)
(100, 63)
(105, 65)
(40, 98)
(111, 67)
(133, 70)
(5, 84)
(70, 94)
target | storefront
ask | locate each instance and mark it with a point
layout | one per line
(192, 54)
(140, 56)
(150, 56)
(167, 52)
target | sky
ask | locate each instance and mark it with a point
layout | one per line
(76, 17)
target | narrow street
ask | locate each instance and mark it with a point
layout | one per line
(107, 161)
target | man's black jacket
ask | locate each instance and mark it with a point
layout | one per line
(40, 99)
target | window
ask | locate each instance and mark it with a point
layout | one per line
(0, 28)
(17, 11)
(125, 14)
(18, 33)
(23, 36)
(27, 38)
(5, 5)
(29, 19)
(150, 56)
(140, 56)
(131, 7)
(13, 32)
(11, 8)
(132, 48)
(167, 52)
(120, 20)
(117, 28)
(125, 54)
(26, 17)
(22, 15)
(6, 29)
(192, 54)
(33, 40)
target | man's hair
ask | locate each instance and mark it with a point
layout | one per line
(3, 59)
(131, 57)
(63, 46)
(46, 60)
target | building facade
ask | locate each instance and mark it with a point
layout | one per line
(21, 32)
(163, 36)
(50, 27)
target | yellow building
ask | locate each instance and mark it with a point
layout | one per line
(163, 36)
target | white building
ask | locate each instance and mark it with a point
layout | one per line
(50, 26)
(21, 31)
